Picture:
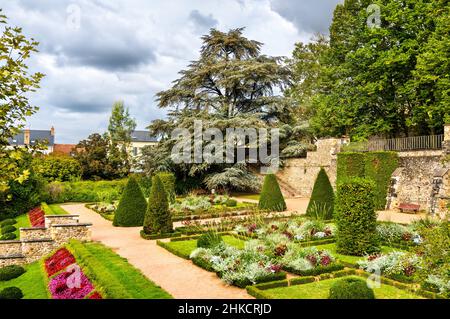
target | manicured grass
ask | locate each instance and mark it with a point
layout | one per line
(247, 196)
(22, 222)
(32, 283)
(186, 247)
(58, 210)
(113, 275)
(320, 290)
(350, 259)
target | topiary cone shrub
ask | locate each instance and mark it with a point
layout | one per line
(271, 197)
(321, 203)
(158, 219)
(351, 288)
(132, 206)
(356, 218)
(168, 179)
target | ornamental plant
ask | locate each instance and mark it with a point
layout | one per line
(168, 179)
(321, 204)
(158, 219)
(132, 206)
(351, 288)
(271, 197)
(356, 218)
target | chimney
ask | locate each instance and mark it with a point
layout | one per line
(26, 136)
(52, 131)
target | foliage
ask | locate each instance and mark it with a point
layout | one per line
(271, 197)
(168, 180)
(356, 218)
(57, 168)
(11, 272)
(11, 293)
(351, 288)
(132, 206)
(231, 202)
(377, 166)
(8, 229)
(157, 218)
(209, 240)
(322, 197)
(236, 178)
(8, 222)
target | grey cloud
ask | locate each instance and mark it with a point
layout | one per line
(311, 16)
(201, 21)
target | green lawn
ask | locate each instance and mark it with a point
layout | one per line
(112, 275)
(320, 290)
(57, 210)
(247, 196)
(350, 259)
(32, 283)
(22, 222)
(185, 247)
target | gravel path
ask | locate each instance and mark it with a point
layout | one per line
(179, 277)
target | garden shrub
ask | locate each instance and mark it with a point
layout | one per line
(351, 288)
(132, 206)
(321, 203)
(57, 168)
(231, 202)
(8, 229)
(8, 222)
(168, 180)
(157, 218)
(8, 236)
(11, 293)
(350, 164)
(11, 272)
(356, 219)
(271, 197)
(209, 240)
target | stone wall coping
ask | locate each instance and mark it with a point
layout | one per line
(10, 242)
(33, 228)
(42, 240)
(12, 256)
(61, 216)
(73, 225)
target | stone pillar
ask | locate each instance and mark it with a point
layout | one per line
(446, 145)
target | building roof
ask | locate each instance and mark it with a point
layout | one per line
(35, 136)
(66, 149)
(142, 136)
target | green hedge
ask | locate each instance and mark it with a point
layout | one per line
(356, 219)
(351, 288)
(377, 166)
(158, 219)
(168, 179)
(271, 197)
(132, 206)
(10, 272)
(61, 169)
(11, 293)
(321, 203)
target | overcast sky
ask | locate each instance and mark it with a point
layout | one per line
(94, 52)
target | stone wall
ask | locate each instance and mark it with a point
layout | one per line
(35, 243)
(299, 174)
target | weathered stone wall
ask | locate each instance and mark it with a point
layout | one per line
(34, 233)
(60, 220)
(60, 233)
(300, 173)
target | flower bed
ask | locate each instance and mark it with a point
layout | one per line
(36, 217)
(59, 261)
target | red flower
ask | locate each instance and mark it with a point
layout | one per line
(95, 295)
(252, 228)
(280, 250)
(325, 260)
(59, 261)
(410, 270)
(288, 234)
(275, 268)
(373, 257)
(312, 259)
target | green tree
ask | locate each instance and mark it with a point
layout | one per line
(271, 197)
(321, 203)
(157, 218)
(132, 206)
(120, 127)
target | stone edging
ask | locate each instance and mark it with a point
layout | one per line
(73, 225)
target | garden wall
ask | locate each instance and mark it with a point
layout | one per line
(35, 243)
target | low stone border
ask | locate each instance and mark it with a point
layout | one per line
(159, 236)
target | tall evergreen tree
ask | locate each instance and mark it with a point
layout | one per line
(157, 218)
(132, 206)
(321, 203)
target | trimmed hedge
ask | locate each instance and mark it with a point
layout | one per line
(159, 236)
(351, 288)
(378, 166)
(8, 236)
(356, 219)
(8, 229)
(158, 219)
(11, 272)
(132, 206)
(168, 179)
(321, 203)
(8, 222)
(271, 197)
(11, 293)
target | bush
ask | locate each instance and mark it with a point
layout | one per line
(8, 236)
(53, 168)
(11, 293)
(209, 240)
(8, 222)
(132, 206)
(271, 197)
(11, 272)
(356, 219)
(350, 164)
(168, 180)
(321, 204)
(231, 202)
(157, 218)
(351, 288)
(8, 229)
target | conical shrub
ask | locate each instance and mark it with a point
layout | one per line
(321, 203)
(271, 197)
(158, 219)
(132, 206)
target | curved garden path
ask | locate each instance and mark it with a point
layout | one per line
(177, 276)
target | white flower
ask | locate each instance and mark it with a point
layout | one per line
(320, 234)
